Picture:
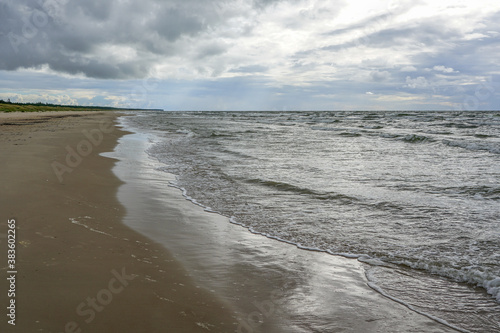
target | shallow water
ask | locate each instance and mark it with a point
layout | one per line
(415, 196)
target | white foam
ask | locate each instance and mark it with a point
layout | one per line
(471, 275)
(375, 287)
(185, 131)
(372, 261)
(492, 147)
(491, 285)
(360, 257)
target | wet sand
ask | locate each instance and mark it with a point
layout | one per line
(272, 286)
(79, 268)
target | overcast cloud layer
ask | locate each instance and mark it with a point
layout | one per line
(252, 55)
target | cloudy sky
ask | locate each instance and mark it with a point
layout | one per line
(253, 54)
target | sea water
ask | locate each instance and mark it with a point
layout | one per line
(414, 195)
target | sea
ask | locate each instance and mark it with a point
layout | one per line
(414, 196)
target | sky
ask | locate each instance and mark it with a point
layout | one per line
(252, 54)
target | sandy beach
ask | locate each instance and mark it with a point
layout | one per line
(260, 166)
(79, 269)
(85, 263)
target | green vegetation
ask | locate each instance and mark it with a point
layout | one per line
(8, 106)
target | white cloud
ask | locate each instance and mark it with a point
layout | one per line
(444, 69)
(417, 83)
(408, 69)
(399, 98)
(60, 98)
(379, 76)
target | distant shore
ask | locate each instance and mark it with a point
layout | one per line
(7, 106)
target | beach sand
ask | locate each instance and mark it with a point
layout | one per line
(79, 269)
(172, 267)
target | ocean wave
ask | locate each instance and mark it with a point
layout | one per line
(414, 138)
(491, 147)
(220, 135)
(373, 131)
(238, 154)
(470, 274)
(389, 135)
(326, 129)
(345, 132)
(459, 125)
(350, 134)
(187, 132)
(440, 132)
(484, 136)
(373, 127)
(479, 192)
(282, 186)
(490, 192)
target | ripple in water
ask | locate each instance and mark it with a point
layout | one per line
(418, 191)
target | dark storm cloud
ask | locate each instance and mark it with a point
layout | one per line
(75, 36)
(97, 10)
(209, 50)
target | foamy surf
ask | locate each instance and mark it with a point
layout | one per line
(384, 188)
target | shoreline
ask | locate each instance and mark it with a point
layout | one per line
(306, 290)
(78, 266)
